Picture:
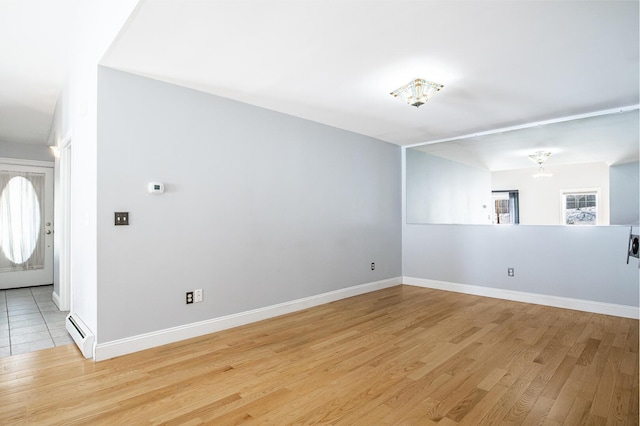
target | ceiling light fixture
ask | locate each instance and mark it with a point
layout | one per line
(540, 157)
(417, 92)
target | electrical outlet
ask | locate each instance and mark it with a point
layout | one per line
(373, 266)
(510, 272)
(189, 297)
(197, 295)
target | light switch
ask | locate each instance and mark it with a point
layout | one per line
(121, 218)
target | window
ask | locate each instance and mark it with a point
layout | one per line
(505, 207)
(580, 207)
(20, 222)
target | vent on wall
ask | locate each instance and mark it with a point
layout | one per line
(81, 334)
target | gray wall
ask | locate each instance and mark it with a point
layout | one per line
(260, 207)
(25, 151)
(444, 191)
(582, 262)
(624, 190)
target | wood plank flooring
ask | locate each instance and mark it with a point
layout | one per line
(403, 355)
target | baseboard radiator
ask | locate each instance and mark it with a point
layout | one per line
(81, 334)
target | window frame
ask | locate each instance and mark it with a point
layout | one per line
(580, 191)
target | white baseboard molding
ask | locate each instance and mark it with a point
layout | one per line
(141, 342)
(538, 299)
(56, 300)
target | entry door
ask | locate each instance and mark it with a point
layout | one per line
(26, 226)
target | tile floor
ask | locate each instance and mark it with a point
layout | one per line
(30, 321)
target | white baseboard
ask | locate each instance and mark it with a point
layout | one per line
(56, 299)
(140, 342)
(538, 299)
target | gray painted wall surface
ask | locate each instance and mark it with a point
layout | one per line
(260, 207)
(444, 191)
(624, 198)
(585, 262)
(25, 151)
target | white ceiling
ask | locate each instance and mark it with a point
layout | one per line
(503, 63)
(33, 56)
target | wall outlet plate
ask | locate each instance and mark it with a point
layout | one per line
(197, 295)
(511, 272)
(634, 246)
(189, 297)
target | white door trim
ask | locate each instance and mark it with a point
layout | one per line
(64, 225)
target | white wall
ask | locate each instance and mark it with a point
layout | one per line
(540, 198)
(444, 191)
(260, 207)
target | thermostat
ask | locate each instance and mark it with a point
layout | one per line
(155, 188)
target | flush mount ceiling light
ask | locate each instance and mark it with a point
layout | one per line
(417, 92)
(540, 157)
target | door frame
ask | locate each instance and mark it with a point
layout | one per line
(63, 299)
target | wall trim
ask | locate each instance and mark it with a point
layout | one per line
(56, 299)
(141, 342)
(538, 299)
(530, 125)
(21, 162)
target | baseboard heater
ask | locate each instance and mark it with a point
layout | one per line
(81, 334)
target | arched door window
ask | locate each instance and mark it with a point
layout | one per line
(21, 245)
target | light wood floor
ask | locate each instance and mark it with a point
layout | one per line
(403, 355)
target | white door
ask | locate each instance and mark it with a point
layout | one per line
(26, 226)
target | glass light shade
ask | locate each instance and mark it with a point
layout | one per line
(417, 92)
(542, 173)
(540, 157)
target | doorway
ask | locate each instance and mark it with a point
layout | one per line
(506, 207)
(26, 226)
